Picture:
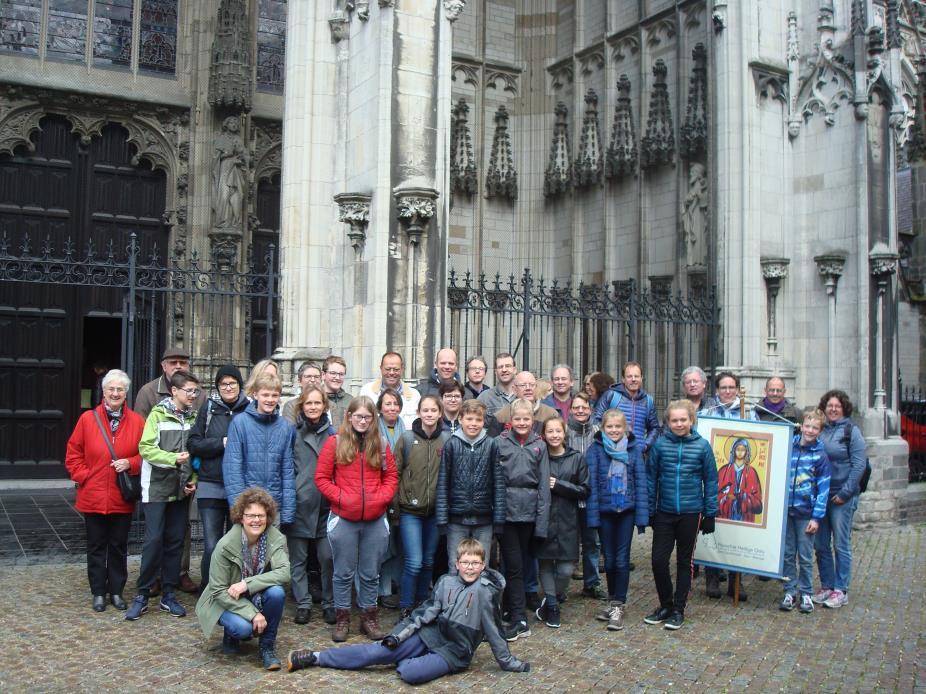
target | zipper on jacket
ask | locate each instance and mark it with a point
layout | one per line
(363, 490)
(678, 479)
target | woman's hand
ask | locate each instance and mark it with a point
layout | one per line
(121, 464)
(836, 500)
(236, 590)
(259, 623)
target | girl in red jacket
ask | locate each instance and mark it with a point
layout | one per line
(109, 428)
(357, 474)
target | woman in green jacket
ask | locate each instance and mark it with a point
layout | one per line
(247, 573)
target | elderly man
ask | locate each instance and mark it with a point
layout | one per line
(445, 369)
(694, 388)
(525, 388)
(334, 371)
(560, 398)
(391, 366)
(309, 374)
(503, 393)
(774, 407)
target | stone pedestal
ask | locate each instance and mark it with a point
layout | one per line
(887, 492)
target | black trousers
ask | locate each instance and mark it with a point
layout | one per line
(165, 525)
(515, 543)
(107, 548)
(678, 531)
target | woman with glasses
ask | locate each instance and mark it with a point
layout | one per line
(207, 445)
(357, 474)
(451, 395)
(250, 566)
(391, 429)
(103, 444)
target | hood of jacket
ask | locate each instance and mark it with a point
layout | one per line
(260, 416)
(436, 379)
(532, 437)
(418, 429)
(580, 427)
(470, 442)
(622, 389)
(238, 406)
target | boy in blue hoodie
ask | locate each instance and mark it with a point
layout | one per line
(809, 490)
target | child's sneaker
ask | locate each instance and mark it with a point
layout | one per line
(821, 596)
(616, 621)
(298, 660)
(541, 612)
(659, 615)
(517, 630)
(675, 621)
(551, 618)
(605, 614)
(787, 603)
(836, 599)
(806, 604)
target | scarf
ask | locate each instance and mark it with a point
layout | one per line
(115, 417)
(617, 470)
(169, 405)
(392, 438)
(771, 407)
(253, 562)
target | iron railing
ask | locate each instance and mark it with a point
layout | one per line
(590, 327)
(913, 430)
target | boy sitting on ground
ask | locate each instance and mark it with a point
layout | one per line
(441, 636)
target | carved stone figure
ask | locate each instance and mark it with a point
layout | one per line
(694, 215)
(229, 180)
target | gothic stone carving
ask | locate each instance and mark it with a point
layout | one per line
(354, 210)
(453, 9)
(501, 178)
(415, 207)
(694, 216)
(339, 24)
(230, 69)
(693, 134)
(462, 161)
(557, 179)
(589, 167)
(266, 150)
(229, 178)
(658, 145)
(621, 157)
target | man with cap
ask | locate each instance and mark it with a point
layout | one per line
(207, 444)
(173, 360)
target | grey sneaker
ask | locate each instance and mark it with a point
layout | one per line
(138, 607)
(821, 596)
(616, 617)
(806, 604)
(787, 603)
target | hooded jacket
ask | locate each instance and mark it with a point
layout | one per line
(419, 469)
(311, 505)
(635, 494)
(571, 487)
(165, 435)
(527, 480)
(259, 453)
(471, 482)
(809, 482)
(639, 409)
(579, 434)
(454, 620)
(357, 492)
(682, 475)
(206, 441)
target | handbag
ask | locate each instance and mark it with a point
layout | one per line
(129, 485)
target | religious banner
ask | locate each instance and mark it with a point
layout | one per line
(752, 495)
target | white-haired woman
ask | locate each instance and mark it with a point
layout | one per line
(104, 443)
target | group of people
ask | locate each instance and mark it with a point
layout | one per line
(363, 491)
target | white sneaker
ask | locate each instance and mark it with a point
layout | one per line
(787, 603)
(836, 599)
(821, 596)
(806, 604)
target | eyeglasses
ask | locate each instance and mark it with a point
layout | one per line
(254, 516)
(477, 369)
(525, 385)
(727, 388)
(362, 417)
(452, 396)
(114, 391)
(470, 564)
(335, 374)
(192, 392)
(228, 386)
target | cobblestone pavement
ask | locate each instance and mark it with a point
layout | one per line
(54, 642)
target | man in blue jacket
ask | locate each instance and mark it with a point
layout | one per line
(259, 451)
(637, 405)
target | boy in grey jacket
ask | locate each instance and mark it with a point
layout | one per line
(441, 636)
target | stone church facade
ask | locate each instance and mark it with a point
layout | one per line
(770, 150)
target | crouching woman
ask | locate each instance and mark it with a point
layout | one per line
(247, 573)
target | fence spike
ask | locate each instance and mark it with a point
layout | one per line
(4, 244)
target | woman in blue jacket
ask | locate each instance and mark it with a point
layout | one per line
(618, 501)
(682, 485)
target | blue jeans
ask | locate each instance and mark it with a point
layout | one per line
(799, 543)
(591, 552)
(419, 540)
(416, 663)
(836, 533)
(616, 536)
(213, 515)
(239, 628)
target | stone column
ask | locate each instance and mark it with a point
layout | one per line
(774, 270)
(883, 266)
(830, 267)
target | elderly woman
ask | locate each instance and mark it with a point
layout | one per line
(104, 443)
(249, 568)
(845, 447)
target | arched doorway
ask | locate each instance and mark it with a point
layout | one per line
(64, 197)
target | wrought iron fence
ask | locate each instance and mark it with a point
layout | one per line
(589, 327)
(913, 430)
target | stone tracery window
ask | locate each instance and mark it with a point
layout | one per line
(271, 38)
(61, 30)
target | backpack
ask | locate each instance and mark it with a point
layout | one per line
(866, 475)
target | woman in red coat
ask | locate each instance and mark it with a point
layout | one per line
(107, 516)
(356, 473)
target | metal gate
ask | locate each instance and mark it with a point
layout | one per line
(589, 327)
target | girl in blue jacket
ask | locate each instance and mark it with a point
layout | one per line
(617, 502)
(682, 477)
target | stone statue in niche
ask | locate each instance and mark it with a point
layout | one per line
(229, 177)
(694, 215)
